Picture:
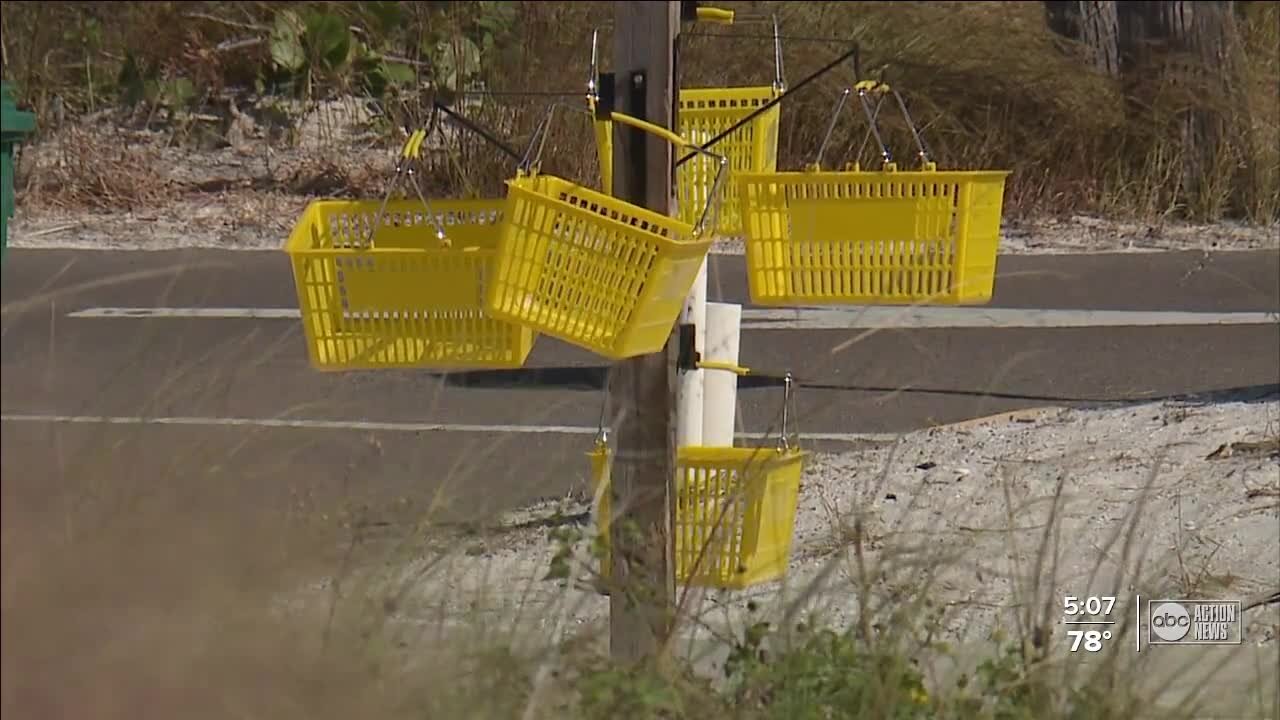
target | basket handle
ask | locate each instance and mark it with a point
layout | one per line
(704, 14)
(785, 441)
(788, 438)
(864, 89)
(534, 157)
(715, 15)
(721, 161)
(410, 153)
(729, 17)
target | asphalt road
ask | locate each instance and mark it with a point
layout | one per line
(216, 377)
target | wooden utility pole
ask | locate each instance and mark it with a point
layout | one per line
(642, 389)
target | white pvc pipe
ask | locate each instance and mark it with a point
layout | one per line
(720, 391)
(689, 393)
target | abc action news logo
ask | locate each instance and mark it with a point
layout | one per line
(1194, 622)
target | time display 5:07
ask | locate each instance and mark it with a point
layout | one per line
(1092, 605)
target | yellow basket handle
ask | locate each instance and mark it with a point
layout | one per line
(412, 149)
(649, 127)
(727, 366)
(789, 436)
(720, 16)
(410, 153)
(533, 156)
(715, 15)
(721, 161)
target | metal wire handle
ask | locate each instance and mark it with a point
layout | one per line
(779, 76)
(410, 154)
(785, 441)
(779, 80)
(864, 90)
(788, 438)
(593, 76)
(602, 432)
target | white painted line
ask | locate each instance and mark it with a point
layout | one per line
(365, 425)
(880, 317)
(980, 317)
(175, 313)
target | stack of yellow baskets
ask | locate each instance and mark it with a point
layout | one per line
(378, 289)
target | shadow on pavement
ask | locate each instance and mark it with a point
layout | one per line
(594, 378)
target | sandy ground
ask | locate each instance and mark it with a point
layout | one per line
(96, 186)
(975, 500)
(263, 220)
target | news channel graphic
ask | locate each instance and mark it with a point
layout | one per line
(1093, 622)
(1194, 622)
(1090, 622)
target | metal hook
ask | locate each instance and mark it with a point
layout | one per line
(602, 432)
(779, 80)
(784, 442)
(593, 76)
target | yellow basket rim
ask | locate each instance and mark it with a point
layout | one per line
(707, 453)
(298, 243)
(681, 232)
(751, 90)
(789, 176)
(329, 202)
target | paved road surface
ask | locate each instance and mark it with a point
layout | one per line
(216, 378)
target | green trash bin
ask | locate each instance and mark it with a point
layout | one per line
(15, 125)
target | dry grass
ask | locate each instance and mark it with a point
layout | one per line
(147, 577)
(201, 572)
(990, 84)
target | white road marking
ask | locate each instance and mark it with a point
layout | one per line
(979, 317)
(366, 425)
(174, 313)
(822, 318)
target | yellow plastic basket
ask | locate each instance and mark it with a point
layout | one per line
(734, 517)
(402, 301)
(703, 114)
(591, 270)
(871, 237)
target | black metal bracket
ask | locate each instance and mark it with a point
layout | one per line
(473, 127)
(606, 95)
(688, 357)
(638, 143)
(689, 10)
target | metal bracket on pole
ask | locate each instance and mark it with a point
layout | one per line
(606, 96)
(688, 356)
